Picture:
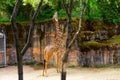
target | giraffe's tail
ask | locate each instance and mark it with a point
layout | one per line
(44, 63)
(44, 67)
(44, 60)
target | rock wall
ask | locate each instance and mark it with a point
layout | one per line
(1, 59)
(45, 33)
(12, 59)
(106, 56)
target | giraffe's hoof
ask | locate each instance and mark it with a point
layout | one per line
(45, 75)
(58, 71)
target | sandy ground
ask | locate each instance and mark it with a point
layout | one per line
(10, 73)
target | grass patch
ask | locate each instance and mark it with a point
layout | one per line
(100, 66)
(35, 65)
(88, 45)
(117, 66)
(114, 40)
(30, 63)
(91, 44)
(72, 66)
(105, 66)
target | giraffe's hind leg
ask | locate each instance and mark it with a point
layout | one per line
(45, 68)
(46, 65)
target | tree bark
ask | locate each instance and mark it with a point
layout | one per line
(65, 57)
(68, 10)
(16, 37)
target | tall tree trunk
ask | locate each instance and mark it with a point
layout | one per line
(68, 9)
(16, 37)
(65, 57)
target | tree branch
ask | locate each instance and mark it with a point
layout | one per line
(64, 5)
(13, 24)
(70, 6)
(68, 9)
(31, 29)
(65, 57)
(15, 11)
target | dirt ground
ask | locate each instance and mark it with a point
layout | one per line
(10, 73)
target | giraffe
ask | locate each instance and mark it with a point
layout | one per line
(56, 49)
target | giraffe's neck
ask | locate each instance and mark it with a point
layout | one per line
(58, 37)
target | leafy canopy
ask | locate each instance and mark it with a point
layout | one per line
(107, 10)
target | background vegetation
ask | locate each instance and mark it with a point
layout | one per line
(106, 10)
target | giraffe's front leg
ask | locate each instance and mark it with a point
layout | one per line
(59, 65)
(56, 62)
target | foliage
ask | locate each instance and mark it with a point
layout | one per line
(34, 3)
(92, 10)
(110, 10)
(107, 10)
(6, 7)
(25, 13)
(46, 12)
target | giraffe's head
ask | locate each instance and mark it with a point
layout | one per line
(55, 16)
